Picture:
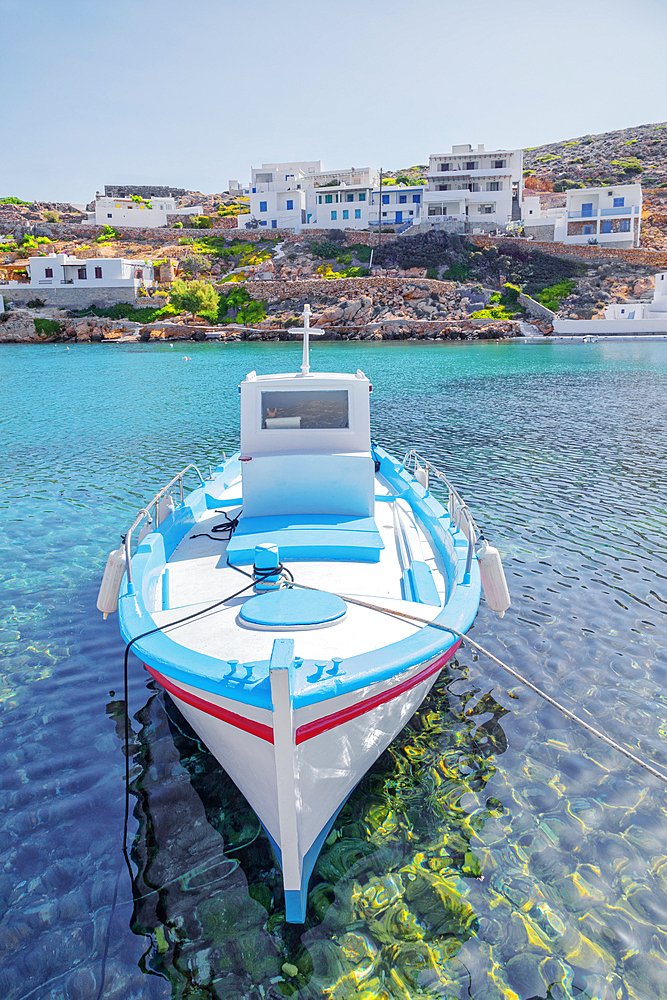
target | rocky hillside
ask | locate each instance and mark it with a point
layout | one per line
(629, 154)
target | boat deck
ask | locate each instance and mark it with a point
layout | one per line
(198, 575)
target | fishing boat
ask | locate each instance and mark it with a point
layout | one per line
(299, 603)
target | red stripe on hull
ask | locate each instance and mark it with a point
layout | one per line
(231, 718)
(310, 729)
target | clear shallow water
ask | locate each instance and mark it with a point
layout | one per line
(494, 851)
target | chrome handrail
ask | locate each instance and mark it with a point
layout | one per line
(146, 513)
(457, 507)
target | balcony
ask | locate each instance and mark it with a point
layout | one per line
(621, 210)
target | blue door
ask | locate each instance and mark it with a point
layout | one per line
(587, 208)
(274, 223)
(399, 217)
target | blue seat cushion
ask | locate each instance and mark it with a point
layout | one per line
(313, 537)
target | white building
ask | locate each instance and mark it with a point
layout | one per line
(398, 203)
(292, 195)
(137, 212)
(625, 317)
(59, 270)
(481, 188)
(610, 216)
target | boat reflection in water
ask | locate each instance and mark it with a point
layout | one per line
(388, 895)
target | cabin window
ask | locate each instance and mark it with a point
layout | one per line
(304, 409)
(82, 274)
(48, 272)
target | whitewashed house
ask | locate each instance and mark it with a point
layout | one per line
(137, 212)
(625, 317)
(609, 216)
(478, 187)
(59, 270)
(398, 205)
(302, 194)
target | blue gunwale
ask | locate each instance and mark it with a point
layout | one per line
(207, 673)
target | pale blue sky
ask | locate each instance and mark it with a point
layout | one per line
(192, 93)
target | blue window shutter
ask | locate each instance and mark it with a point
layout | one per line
(416, 198)
(262, 206)
(334, 214)
(619, 202)
(290, 204)
(385, 199)
(346, 214)
(357, 213)
(402, 199)
(587, 208)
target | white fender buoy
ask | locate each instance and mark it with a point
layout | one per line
(421, 475)
(107, 599)
(494, 583)
(165, 507)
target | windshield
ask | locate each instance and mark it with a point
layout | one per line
(305, 409)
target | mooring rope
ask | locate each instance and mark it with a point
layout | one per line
(511, 671)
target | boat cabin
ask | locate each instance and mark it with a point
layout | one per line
(306, 457)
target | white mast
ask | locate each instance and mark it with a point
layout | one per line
(305, 365)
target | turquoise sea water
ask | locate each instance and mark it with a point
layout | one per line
(495, 851)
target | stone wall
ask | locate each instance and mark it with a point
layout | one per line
(544, 233)
(79, 298)
(274, 291)
(536, 309)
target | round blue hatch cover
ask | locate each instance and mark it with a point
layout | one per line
(293, 609)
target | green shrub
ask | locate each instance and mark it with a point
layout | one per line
(458, 271)
(51, 216)
(362, 252)
(123, 310)
(177, 225)
(325, 249)
(511, 293)
(194, 297)
(629, 165)
(552, 296)
(568, 185)
(11, 200)
(431, 272)
(203, 222)
(107, 235)
(46, 327)
(36, 303)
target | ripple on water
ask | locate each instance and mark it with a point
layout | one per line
(493, 850)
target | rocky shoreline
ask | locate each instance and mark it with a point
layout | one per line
(20, 328)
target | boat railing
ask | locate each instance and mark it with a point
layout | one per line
(423, 469)
(154, 504)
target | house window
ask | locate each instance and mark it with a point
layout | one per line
(587, 208)
(362, 196)
(493, 186)
(82, 274)
(384, 213)
(357, 213)
(444, 166)
(334, 215)
(402, 199)
(48, 273)
(346, 214)
(443, 187)
(473, 187)
(262, 206)
(98, 272)
(274, 223)
(350, 197)
(589, 230)
(498, 164)
(625, 226)
(328, 198)
(606, 226)
(619, 202)
(290, 204)
(416, 198)
(109, 215)
(319, 199)
(486, 209)
(385, 199)
(470, 165)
